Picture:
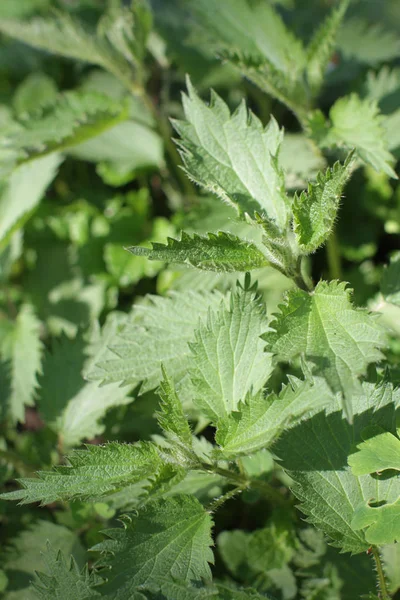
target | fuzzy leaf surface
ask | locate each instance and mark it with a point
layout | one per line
(233, 155)
(170, 538)
(222, 252)
(357, 123)
(228, 355)
(132, 356)
(315, 210)
(91, 473)
(322, 45)
(63, 579)
(20, 345)
(260, 420)
(171, 417)
(379, 451)
(315, 454)
(340, 340)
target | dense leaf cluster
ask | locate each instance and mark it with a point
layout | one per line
(199, 300)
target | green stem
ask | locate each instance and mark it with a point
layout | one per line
(243, 482)
(382, 587)
(333, 255)
(222, 499)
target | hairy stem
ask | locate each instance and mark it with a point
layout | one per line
(244, 482)
(333, 255)
(382, 587)
(222, 499)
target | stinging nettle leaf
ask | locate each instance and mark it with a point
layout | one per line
(255, 40)
(65, 36)
(322, 45)
(261, 419)
(367, 43)
(63, 579)
(222, 252)
(228, 355)
(169, 539)
(132, 356)
(315, 210)
(338, 339)
(379, 451)
(233, 156)
(171, 417)
(91, 473)
(70, 119)
(20, 344)
(315, 454)
(357, 123)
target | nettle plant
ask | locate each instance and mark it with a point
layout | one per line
(298, 411)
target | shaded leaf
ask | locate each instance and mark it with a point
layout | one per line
(170, 538)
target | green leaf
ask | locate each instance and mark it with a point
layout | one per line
(20, 345)
(379, 451)
(322, 45)
(260, 420)
(315, 454)
(215, 252)
(390, 285)
(74, 410)
(368, 43)
(91, 473)
(133, 357)
(181, 590)
(65, 36)
(383, 86)
(64, 580)
(24, 556)
(246, 555)
(255, 40)
(228, 591)
(340, 340)
(22, 191)
(171, 417)
(170, 538)
(233, 156)
(70, 119)
(33, 93)
(228, 354)
(358, 124)
(382, 522)
(315, 210)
